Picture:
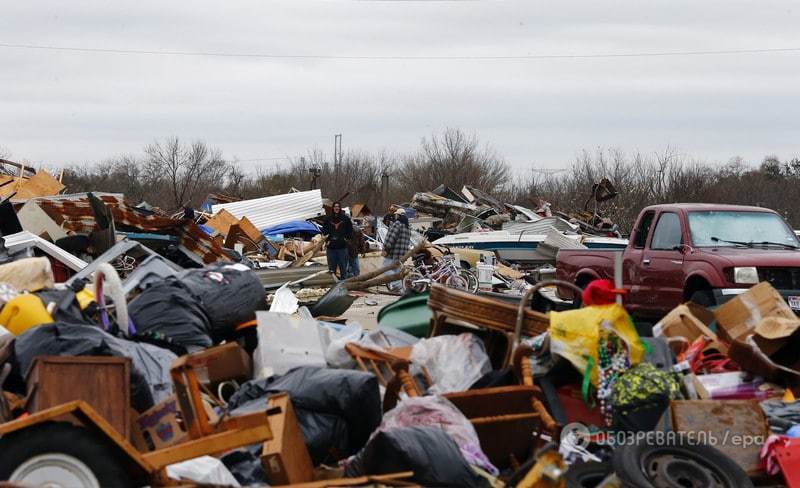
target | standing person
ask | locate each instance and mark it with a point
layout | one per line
(397, 243)
(337, 229)
(355, 245)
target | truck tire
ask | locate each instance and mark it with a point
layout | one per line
(704, 298)
(60, 454)
(652, 462)
(587, 474)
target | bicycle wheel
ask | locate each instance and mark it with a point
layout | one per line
(415, 282)
(455, 281)
(471, 279)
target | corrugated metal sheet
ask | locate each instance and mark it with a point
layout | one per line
(268, 211)
(74, 213)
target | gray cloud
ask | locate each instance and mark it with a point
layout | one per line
(60, 107)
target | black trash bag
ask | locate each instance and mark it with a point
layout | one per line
(150, 378)
(337, 409)
(245, 465)
(169, 309)
(230, 296)
(67, 308)
(429, 452)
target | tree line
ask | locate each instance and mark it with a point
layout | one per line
(173, 173)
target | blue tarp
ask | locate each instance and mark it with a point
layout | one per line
(292, 227)
(208, 230)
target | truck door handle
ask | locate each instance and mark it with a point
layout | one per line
(645, 261)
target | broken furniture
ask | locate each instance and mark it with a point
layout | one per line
(101, 382)
(455, 310)
(206, 436)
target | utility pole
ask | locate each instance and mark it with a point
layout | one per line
(385, 187)
(337, 152)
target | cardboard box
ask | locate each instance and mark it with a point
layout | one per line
(739, 317)
(737, 428)
(221, 363)
(688, 320)
(159, 427)
(733, 385)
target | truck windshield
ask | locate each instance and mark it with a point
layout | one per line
(731, 229)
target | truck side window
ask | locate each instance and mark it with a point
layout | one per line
(668, 232)
(643, 230)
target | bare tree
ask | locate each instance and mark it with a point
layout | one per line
(186, 169)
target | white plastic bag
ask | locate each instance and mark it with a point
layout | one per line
(335, 354)
(204, 469)
(454, 362)
(284, 301)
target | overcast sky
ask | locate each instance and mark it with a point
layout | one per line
(58, 107)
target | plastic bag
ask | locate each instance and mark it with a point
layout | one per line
(284, 301)
(229, 295)
(150, 378)
(335, 353)
(169, 309)
(436, 411)
(337, 409)
(429, 452)
(204, 469)
(575, 335)
(453, 362)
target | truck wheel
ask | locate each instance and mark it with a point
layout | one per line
(652, 463)
(60, 455)
(704, 298)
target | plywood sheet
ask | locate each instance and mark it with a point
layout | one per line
(39, 185)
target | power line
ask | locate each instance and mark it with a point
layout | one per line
(401, 58)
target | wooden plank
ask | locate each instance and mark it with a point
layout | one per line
(88, 417)
(222, 221)
(285, 457)
(209, 445)
(360, 481)
(39, 185)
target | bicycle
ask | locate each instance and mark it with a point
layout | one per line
(446, 271)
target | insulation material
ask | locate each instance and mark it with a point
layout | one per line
(31, 274)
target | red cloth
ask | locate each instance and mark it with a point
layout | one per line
(601, 292)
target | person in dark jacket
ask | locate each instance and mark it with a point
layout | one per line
(355, 245)
(337, 229)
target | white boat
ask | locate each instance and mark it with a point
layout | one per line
(524, 247)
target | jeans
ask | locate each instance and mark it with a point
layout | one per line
(394, 285)
(353, 268)
(337, 259)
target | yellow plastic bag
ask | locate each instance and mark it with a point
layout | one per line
(575, 335)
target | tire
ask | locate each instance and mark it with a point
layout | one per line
(704, 298)
(61, 454)
(471, 279)
(673, 462)
(457, 282)
(587, 474)
(409, 282)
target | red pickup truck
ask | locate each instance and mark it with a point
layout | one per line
(700, 252)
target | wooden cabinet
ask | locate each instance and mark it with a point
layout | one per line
(102, 382)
